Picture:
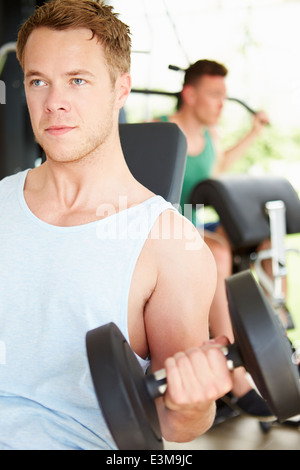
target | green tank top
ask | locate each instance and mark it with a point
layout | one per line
(198, 168)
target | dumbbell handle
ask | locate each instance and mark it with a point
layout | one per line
(156, 383)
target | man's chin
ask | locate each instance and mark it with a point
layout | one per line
(63, 156)
(63, 159)
(73, 151)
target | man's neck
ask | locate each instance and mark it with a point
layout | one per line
(72, 193)
(192, 128)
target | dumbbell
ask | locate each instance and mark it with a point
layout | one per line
(127, 396)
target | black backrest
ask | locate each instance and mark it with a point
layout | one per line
(240, 203)
(155, 153)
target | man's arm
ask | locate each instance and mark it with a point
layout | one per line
(225, 159)
(176, 319)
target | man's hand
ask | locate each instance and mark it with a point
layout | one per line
(260, 121)
(197, 376)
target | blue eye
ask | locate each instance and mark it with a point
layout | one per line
(37, 82)
(79, 81)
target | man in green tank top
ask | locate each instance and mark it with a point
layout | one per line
(200, 105)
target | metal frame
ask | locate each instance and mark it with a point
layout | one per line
(277, 253)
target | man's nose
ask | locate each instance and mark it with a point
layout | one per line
(56, 100)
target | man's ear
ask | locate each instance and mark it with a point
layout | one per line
(188, 94)
(123, 88)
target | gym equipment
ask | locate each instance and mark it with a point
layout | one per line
(251, 210)
(242, 103)
(4, 50)
(126, 396)
(177, 96)
(18, 147)
(155, 153)
(247, 107)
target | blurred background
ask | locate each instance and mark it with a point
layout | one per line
(257, 40)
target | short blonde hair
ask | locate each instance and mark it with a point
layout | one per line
(112, 34)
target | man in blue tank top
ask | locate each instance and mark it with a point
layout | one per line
(64, 269)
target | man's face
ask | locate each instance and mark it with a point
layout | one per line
(72, 102)
(209, 94)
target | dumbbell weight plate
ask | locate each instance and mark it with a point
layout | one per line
(119, 382)
(262, 342)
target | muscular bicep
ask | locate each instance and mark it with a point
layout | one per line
(176, 315)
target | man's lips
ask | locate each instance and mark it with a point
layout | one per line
(58, 130)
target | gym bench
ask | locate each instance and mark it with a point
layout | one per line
(251, 211)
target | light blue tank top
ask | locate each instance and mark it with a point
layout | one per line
(56, 283)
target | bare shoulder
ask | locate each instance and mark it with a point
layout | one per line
(175, 238)
(176, 315)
